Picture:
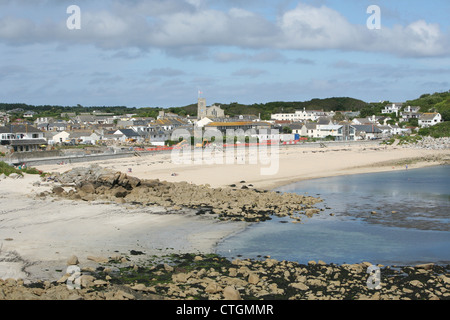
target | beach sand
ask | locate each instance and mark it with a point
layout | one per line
(37, 236)
(294, 164)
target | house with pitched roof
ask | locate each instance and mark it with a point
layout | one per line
(392, 108)
(367, 132)
(128, 135)
(429, 119)
(22, 137)
(309, 130)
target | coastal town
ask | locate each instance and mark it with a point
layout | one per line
(224, 158)
(26, 131)
(120, 217)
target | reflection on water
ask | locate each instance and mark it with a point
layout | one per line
(388, 218)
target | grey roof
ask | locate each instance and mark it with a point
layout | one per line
(362, 120)
(129, 132)
(367, 128)
(427, 116)
(19, 128)
(324, 120)
(295, 126)
(85, 118)
(311, 126)
(79, 134)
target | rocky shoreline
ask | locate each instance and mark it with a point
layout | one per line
(236, 202)
(208, 276)
(211, 277)
(430, 143)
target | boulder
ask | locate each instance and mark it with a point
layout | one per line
(119, 192)
(416, 283)
(87, 281)
(299, 286)
(426, 266)
(73, 260)
(58, 190)
(88, 188)
(139, 287)
(230, 293)
(213, 287)
(180, 277)
(253, 278)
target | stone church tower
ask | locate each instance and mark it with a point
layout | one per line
(212, 112)
(202, 109)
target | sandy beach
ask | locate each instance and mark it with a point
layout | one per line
(294, 164)
(38, 235)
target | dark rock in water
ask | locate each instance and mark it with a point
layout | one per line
(232, 185)
(244, 187)
(242, 182)
(136, 253)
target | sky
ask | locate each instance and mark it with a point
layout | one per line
(154, 53)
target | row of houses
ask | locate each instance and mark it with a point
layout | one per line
(109, 129)
(406, 113)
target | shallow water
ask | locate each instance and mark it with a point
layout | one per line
(411, 224)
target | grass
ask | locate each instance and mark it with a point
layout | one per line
(7, 170)
(404, 140)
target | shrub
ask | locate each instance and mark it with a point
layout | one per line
(437, 131)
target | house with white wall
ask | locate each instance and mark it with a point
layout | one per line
(299, 115)
(60, 137)
(367, 132)
(22, 137)
(392, 108)
(429, 119)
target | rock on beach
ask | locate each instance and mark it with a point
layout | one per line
(96, 183)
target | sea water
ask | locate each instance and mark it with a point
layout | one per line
(390, 218)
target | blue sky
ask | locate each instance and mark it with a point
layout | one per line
(154, 53)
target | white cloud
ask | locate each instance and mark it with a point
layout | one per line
(308, 27)
(187, 25)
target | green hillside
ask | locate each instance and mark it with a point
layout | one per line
(439, 102)
(436, 102)
(266, 109)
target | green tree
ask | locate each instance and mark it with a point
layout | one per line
(339, 116)
(286, 130)
(413, 122)
(445, 115)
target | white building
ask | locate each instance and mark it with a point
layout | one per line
(60, 137)
(299, 115)
(22, 138)
(392, 108)
(429, 119)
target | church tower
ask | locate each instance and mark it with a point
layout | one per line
(201, 111)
